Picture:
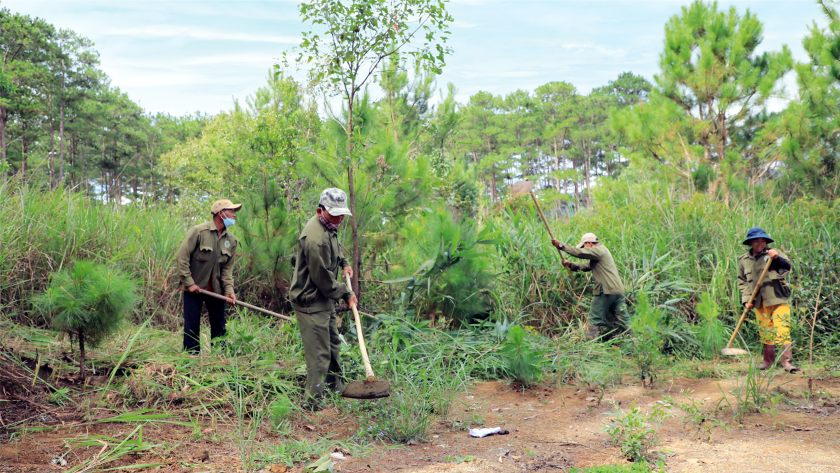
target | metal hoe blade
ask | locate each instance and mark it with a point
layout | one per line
(365, 389)
(733, 352)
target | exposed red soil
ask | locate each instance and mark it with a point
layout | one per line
(550, 430)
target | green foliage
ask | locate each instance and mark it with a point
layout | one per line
(751, 394)
(426, 370)
(522, 361)
(636, 433)
(452, 276)
(267, 234)
(712, 85)
(88, 301)
(711, 332)
(810, 144)
(697, 418)
(647, 340)
(49, 229)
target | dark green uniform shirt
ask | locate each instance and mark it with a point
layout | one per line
(206, 259)
(318, 263)
(602, 265)
(749, 270)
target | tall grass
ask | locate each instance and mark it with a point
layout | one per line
(45, 231)
(702, 237)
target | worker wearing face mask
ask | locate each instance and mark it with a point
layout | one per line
(205, 261)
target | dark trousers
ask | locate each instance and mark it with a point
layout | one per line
(321, 346)
(609, 311)
(192, 319)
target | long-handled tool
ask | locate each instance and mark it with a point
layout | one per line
(729, 351)
(245, 304)
(547, 227)
(369, 388)
(527, 187)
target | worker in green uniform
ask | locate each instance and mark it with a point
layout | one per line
(205, 261)
(320, 269)
(608, 295)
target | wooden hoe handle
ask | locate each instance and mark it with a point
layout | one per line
(547, 227)
(245, 304)
(368, 369)
(752, 298)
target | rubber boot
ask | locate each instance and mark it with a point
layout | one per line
(592, 332)
(785, 357)
(769, 352)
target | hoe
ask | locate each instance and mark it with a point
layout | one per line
(369, 388)
(729, 351)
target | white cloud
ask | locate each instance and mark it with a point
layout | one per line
(168, 31)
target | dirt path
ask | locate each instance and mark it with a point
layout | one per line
(550, 430)
(553, 430)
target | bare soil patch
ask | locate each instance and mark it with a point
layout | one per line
(550, 430)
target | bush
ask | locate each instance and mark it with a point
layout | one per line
(635, 433)
(711, 333)
(522, 361)
(647, 340)
(87, 302)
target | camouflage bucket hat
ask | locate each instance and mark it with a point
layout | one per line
(334, 201)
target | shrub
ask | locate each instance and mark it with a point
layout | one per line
(87, 302)
(522, 361)
(711, 334)
(647, 340)
(635, 432)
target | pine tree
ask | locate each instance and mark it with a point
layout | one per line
(87, 302)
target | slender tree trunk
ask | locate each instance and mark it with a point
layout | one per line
(557, 179)
(585, 169)
(51, 160)
(354, 222)
(104, 181)
(81, 355)
(3, 118)
(72, 150)
(24, 156)
(493, 192)
(82, 178)
(588, 191)
(61, 140)
(150, 182)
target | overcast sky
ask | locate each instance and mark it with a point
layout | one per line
(185, 56)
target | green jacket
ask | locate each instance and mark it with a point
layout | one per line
(206, 258)
(602, 265)
(774, 285)
(318, 263)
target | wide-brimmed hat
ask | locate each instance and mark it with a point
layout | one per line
(223, 204)
(587, 238)
(756, 232)
(334, 201)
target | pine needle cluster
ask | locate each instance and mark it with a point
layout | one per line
(87, 302)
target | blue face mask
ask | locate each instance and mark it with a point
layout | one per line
(229, 222)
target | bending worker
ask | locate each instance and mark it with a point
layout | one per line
(205, 261)
(315, 285)
(771, 303)
(608, 294)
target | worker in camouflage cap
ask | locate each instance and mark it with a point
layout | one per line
(205, 261)
(319, 269)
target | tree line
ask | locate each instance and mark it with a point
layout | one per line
(63, 123)
(703, 122)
